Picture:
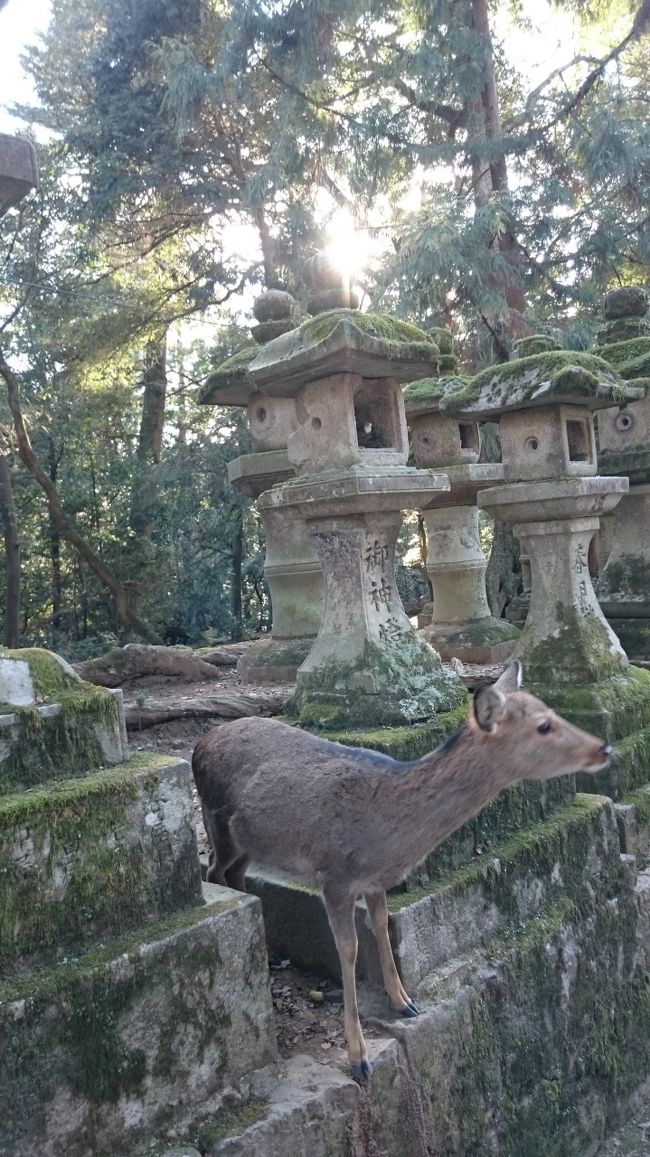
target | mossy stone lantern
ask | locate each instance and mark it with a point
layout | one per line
(553, 500)
(462, 625)
(344, 371)
(291, 567)
(623, 585)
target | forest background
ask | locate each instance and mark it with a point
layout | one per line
(485, 165)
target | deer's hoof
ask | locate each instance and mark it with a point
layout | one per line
(410, 1009)
(361, 1070)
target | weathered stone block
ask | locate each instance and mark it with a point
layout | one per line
(92, 857)
(139, 1034)
(61, 727)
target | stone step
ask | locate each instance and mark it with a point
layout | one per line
(629, 769)
(94, 856)
(550, 860)
(529, 1045)
(99, 1053)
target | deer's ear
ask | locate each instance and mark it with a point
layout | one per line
(488, 707)
(511, 679)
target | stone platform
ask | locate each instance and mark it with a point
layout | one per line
(530, 970)
(135, 1035)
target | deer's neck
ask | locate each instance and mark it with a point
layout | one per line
(441, 791)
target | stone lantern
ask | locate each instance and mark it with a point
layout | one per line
(462, 625)
(623, 586)
(553, 500)
(343, 372)
(291, 567)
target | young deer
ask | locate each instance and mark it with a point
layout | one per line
(353, 821)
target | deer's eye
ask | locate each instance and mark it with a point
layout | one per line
(544, 728)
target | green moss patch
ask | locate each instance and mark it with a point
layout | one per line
(431, 390)
(578, 652)
(73, 864)
(50, 678)
(375, 325)
(539, 1047)
(630, 359)
(61, 745)
(544, 379)
(232, 372)
(566, 838)
(632, 460)
(614, 708)
(229, 1123)
(131, 1016)
(393, 684)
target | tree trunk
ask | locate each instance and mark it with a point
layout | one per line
(491, 175)
(152, 423)
(60, 519)
(237, 546)
(503, 575)
(12, 557)
(55, 553)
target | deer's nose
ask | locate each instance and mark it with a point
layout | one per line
(606, 750)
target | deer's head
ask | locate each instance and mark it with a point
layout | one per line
(528, 736)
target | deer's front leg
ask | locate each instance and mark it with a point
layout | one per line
(397, 994)
(340, 910)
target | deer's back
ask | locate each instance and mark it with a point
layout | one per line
(296, 802)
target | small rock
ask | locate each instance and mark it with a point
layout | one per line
(316, 996)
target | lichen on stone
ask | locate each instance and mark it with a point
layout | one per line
(551, 378)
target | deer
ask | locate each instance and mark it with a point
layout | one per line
(352, 821)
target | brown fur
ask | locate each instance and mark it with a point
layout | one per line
(352, 821)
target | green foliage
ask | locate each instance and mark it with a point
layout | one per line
(166, 125)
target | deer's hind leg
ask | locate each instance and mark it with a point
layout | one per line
(340, 910)
(224, 853)
(397, 994)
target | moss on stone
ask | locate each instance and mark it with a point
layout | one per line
(623, 329)
(232, 372)
(68, 1025)
(544, 379)
(632, 460)
(404, 743)
(58, 745)
(54, 983)
(50, 678)
(388, 685)
(625, 578)
(634, 637)
(618, 706)
(375, 325)
(443, 338)
(564, 837)
(481, 632)
(546, 1036)
(431, 390)
(630, 359)
(229, 1123)
(536, 343)
(629, 768)
(578, 652)
(76, 879)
